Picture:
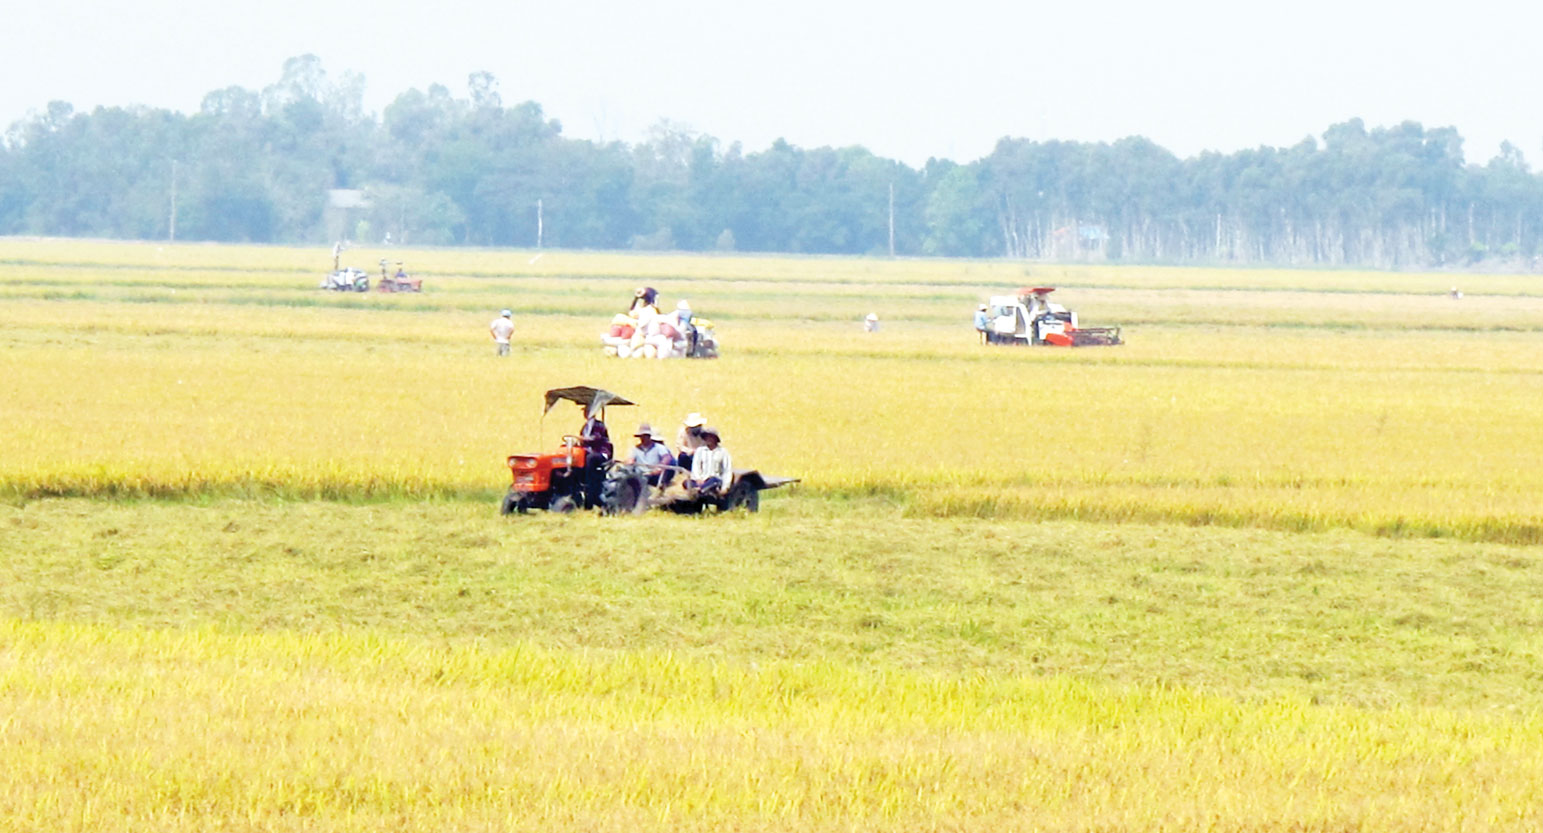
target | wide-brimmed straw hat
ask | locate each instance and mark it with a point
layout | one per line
(712, 432)
(645, 430)
(694, 420)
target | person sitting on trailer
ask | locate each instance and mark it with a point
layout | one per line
(689, 439)
(711, 467)
(652, 456)
(643, 296)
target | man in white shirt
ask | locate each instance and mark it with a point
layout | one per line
(711, 467)
(502, 328)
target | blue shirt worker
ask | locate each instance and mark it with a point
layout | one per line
(652, 456)
(982, 322)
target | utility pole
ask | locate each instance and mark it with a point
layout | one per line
(538, 223)
(892, 219)
(171, 225)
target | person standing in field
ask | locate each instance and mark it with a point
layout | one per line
(502, 328)
(982, 322)
(683, 324)
(337, 255)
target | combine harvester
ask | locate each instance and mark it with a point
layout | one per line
(347, 280)
(1031, 318)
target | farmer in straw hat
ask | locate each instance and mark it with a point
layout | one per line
(689, 439)
(711, 466)
(652, 456)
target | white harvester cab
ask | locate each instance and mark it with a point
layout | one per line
(1030, 317)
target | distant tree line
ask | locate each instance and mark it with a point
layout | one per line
(436, 169)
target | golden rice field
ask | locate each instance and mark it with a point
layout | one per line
(1271, 565)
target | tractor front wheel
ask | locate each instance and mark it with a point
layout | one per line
(514, 502)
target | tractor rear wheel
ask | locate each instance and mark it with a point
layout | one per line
(626, 495)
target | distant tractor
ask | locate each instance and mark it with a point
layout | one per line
(398, 282)
(1031, 318)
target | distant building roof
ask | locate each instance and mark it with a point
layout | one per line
(346, 198)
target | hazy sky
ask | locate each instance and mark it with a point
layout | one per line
(907, 80)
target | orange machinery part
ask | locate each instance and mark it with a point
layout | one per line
(533, 472)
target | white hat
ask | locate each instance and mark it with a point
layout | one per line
(873, 316)
(683, 304)
(506, 313)
(694, 420)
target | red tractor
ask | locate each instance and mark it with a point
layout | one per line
(556, 481)
(400, 282)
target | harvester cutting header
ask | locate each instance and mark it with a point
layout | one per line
(1031, 318)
